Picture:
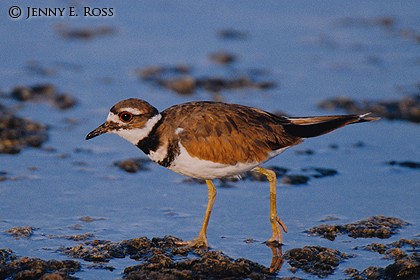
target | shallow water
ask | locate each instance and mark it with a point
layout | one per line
(312, 52)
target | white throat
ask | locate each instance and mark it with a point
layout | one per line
(134, 135)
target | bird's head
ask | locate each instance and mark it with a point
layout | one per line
(132, 119)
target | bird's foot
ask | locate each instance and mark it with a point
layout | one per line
(278, 226)
(198, 243)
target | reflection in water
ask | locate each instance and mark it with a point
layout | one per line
(277, 258)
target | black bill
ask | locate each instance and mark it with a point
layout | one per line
(103, 128)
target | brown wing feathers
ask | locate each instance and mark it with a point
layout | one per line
(229, 133)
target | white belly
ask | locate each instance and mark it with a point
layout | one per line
(205, 169)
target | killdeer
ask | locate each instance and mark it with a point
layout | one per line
(210, 140)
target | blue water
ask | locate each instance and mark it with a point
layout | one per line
(304, 47)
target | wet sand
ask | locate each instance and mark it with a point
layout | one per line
(71, 209)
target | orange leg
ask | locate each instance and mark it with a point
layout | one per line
(201, 240)
(276, 224)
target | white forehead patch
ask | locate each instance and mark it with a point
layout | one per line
(113, 118)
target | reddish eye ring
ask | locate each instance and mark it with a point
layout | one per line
(125, 116)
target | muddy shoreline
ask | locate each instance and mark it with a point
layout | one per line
(162, 258)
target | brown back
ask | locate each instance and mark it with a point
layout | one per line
(225, 133)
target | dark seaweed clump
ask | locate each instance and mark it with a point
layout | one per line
(17, 133)
(161, 258)
(44, 92)
(180, 78)
(12, 267)
(20, 232)
(395, 250)
(405, 268)
(316, 260)
(133, 165)
(209, 265)
(96, 250)
(406, 263)
(376, 226)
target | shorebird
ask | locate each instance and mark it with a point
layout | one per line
(210, 140)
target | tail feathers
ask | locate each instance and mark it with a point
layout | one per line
(314, 126)
(366, 118)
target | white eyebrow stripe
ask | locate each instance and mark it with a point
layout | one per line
(133, 111)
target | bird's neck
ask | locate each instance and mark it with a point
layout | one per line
(136, 135)
(151, 142)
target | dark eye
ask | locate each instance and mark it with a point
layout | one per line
(125, 116)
